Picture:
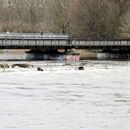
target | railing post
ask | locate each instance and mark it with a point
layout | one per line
(6, 40)
(51, 42)
(2, 41)
(27, 42)
(11, 41)
(35, 42)
(43, 41)
(69, 42)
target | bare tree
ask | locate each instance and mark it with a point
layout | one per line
(57, 18)
(29, 14)
(19, 11)
(95, 19)
(82, 18)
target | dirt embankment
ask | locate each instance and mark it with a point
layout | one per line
(85, 54)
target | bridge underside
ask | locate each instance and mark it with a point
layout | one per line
(68, 47)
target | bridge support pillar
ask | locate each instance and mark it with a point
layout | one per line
(51, 53)
(109, 54)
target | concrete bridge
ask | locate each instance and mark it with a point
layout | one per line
(39, 41)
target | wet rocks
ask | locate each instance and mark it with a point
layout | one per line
(39, 69)
(22, 65)
(81, 68)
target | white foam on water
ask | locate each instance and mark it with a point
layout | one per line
(64, 98)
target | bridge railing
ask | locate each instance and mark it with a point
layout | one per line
(56, 40)
(87, 42)
(31, 36)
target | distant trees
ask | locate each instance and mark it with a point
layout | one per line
(81, 18)
(122, 6)
(34, 16)
(124, 21)
(22, 16)
(96, 19)
(57, 16)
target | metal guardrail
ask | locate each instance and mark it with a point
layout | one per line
(100, 43)
(31, 36)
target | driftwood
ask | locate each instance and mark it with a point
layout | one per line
(22, 65)
(4, 66)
